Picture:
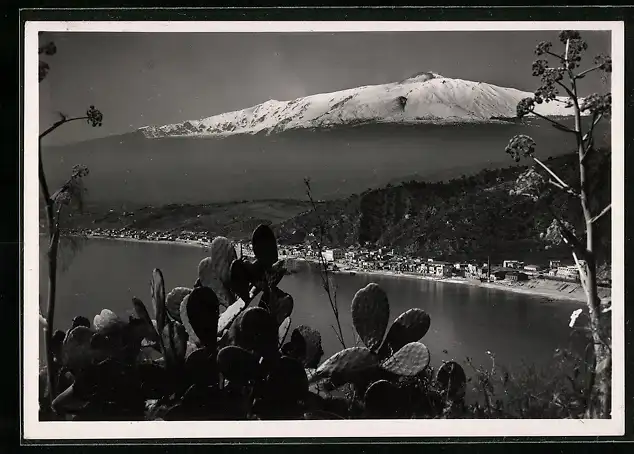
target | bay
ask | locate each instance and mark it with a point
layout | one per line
(466, 321)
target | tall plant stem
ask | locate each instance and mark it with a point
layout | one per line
(599, 404)
(324, 268)
(53, 234)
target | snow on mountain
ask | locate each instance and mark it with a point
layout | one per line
(424, 98)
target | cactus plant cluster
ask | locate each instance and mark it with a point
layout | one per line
(384, 369)
(216, 351)
(206, 352)
(399, 353)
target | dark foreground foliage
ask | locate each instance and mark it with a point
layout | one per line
(212, 352)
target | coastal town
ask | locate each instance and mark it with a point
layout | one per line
(367, 259)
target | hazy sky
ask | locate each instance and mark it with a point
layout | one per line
(139, 79)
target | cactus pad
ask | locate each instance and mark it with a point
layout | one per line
(158, 298)
(382, 400)
(370, 315)
(279, 303)
(199, 313)
(452, 379)
(173, 302)
(408, 327)
(229, 315)
(148, 332)
(255, 330)
(76, 351)
(107, 321)
(287, 381)
(223, 253)
(80, 321)
(410, 360)
(264, 245)
(209, 273)
(237, 364)
(240, 279)
(314, 350)
(275, 274)
(295, 347)
(348, 364)
(282, 331)
(175, 341)
(200, 366)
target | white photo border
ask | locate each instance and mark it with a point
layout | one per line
(33, 429)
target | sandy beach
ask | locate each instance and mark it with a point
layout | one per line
(551, 290)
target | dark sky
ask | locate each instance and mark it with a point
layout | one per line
(139, 79)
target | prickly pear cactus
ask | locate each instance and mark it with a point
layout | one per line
(76, 350)
(240, 279)
(107, 321)
(255, 330)
(295, 347)
(264, 245)
(347, 365)
(451, 379)
(200, 367)
(398, 354)
(142, 314)
(286, 382)
(80, 321)
(238, 364)
(410, 326)
(175, 341)
(275, 274)
(215, 271)
(314, 350)
(410, 360)
(282, 331)
(278, 303)
(108, 390)
(370, 315)
(158, 298)
(382, 400)
(199, 314)
(174, 300)
(223, 253)
(229, 315)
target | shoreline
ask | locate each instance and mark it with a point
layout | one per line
(550, 295)
(575, 295)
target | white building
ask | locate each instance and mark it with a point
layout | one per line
(516, 264)
(568, 272)
(332, 255)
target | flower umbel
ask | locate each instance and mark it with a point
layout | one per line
(520, 146)
(95, 117)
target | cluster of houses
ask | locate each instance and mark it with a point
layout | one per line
(384, 259)
(140, 234)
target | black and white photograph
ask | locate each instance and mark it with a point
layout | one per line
(323, 229)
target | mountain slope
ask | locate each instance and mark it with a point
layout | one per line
(425, 98)
(466, 218)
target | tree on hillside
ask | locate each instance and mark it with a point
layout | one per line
(563, 79)
(70, 194)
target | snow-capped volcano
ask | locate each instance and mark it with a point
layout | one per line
(426, 97)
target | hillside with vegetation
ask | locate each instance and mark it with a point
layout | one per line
(466, 218)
